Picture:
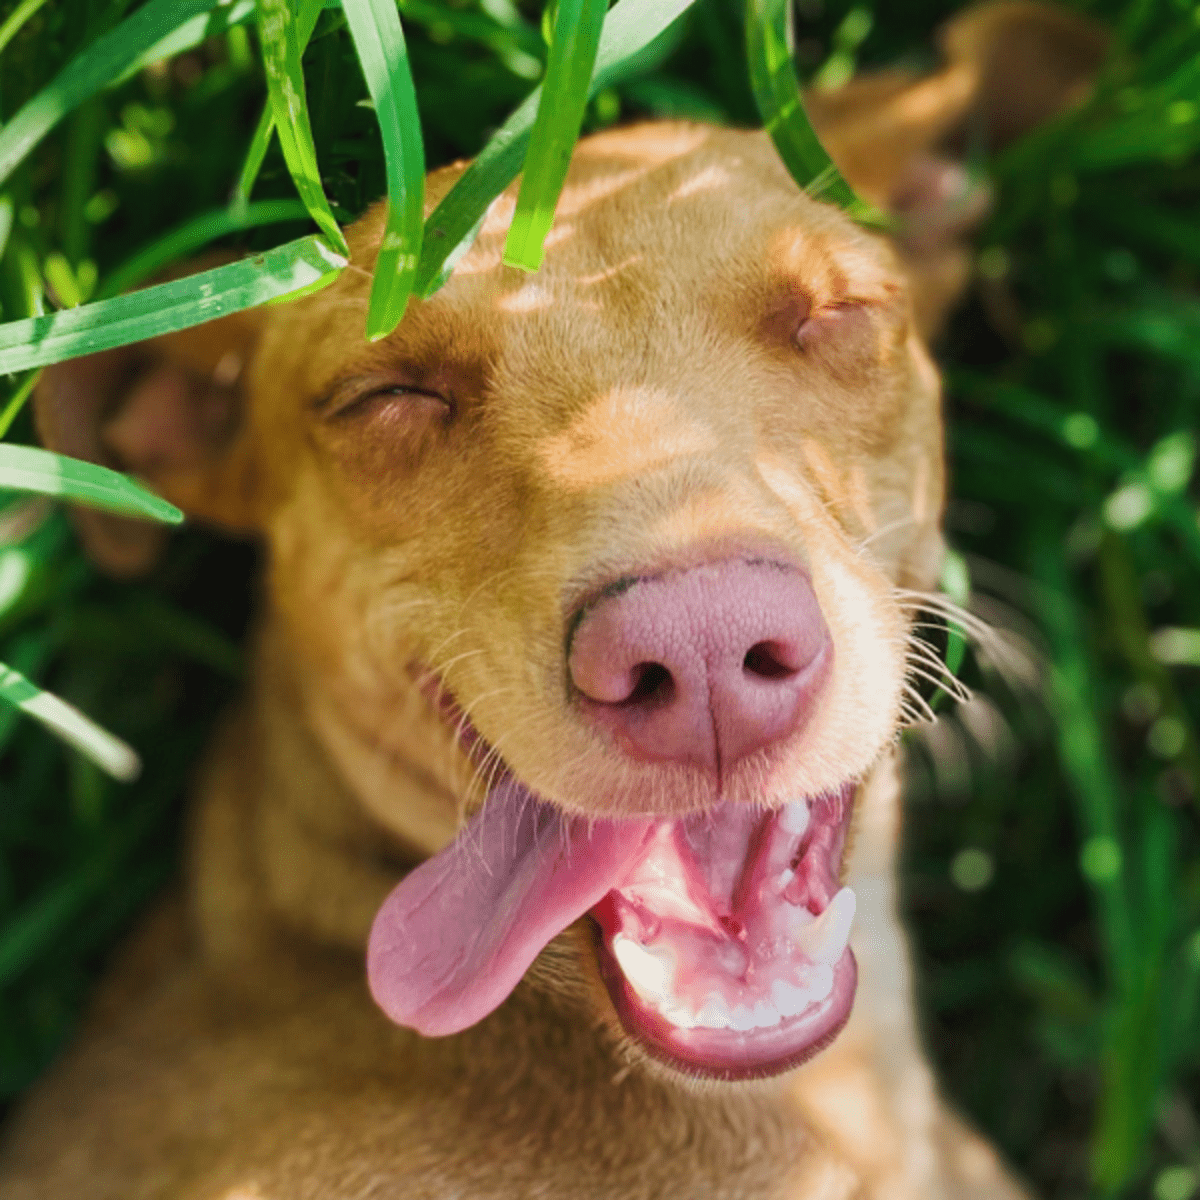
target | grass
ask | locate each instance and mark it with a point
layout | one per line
(1051, 868)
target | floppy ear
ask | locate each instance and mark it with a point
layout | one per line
(901, 138)
(170, 411)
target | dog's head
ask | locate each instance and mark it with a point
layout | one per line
(605, 561)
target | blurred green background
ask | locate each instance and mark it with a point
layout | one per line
(1051, 873)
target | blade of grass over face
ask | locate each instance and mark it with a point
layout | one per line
(193, 234)
(379, 41)
(260, 143)
(285, 83)
(629, 26)
(107, 752)
(574, 40)
(167, 307)
(16, 19)
(777, 94)
(94, 68)
(28, 469)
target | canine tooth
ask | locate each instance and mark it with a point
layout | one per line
(789, 999)
(766, 1015)
(650, 970)
(824, 940)
(793, 818)
(819, 982)
(714, 1013)
(743, 1018)
(784, 878)
(799, 920)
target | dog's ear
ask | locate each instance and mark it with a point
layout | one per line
(170, 411)
(902, 139)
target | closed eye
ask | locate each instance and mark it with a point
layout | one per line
(364, 398)
(848, 320)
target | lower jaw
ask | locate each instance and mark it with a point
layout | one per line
(726, 1054)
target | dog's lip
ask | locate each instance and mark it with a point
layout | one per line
(724, 1054)
(734, 942)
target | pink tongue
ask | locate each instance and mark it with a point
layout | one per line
(455, 937)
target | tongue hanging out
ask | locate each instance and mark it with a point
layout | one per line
(722, 935)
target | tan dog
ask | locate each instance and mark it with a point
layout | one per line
(607, 563)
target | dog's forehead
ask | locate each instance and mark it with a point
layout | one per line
(667, 239)
(665, 209)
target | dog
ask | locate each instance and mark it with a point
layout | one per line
(575, 694)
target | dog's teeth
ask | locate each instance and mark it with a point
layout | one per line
(799, 920)
(766, 1015)
(825, 938)
(793, 818)
(714, 1013)
(743, 1018)
(679, 1016)
(650, 970)
(789, 999)
(819, 982)
(784, 878)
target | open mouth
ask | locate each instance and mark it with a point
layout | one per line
(722, 936)
(724, 948)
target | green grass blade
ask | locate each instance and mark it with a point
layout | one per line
(6, 222)
(17, 401)
(167, 307)
(107, 752)
(190, 34)
(88, 72)
(629, 26)
(193, 234)
(777, 95)
(285, 82)
(260, 143)
(28, 469)
(955, 581)
(573, 44)
(379, 41)
(16, 19)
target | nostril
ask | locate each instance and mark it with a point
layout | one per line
(768, 660)
(652, 684)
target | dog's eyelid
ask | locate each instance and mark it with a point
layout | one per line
(344, 398)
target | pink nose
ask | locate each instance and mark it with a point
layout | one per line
(703, 666)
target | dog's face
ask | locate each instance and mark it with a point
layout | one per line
(623, 537)
(713, 385)
(605, 563)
